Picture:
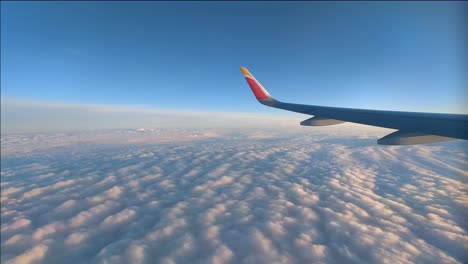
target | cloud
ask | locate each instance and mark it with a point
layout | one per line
(22, 116)
(76, 238)
(91, 214)
(118, 219)
(20, 223)
(47, 230)
(34, 255)
(295, 198)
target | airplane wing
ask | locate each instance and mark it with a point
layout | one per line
(413, 127)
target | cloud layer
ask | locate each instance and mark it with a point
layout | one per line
(237, 199)
(20, 116)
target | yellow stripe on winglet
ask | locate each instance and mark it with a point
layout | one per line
(245, 71)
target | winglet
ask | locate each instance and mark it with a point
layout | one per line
(258, 90)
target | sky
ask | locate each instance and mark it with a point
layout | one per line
(185, 56)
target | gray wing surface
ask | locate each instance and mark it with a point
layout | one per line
(413, 127)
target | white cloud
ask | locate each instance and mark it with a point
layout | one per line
(22, 116)
(76, 238)
(136, 253)
(16, 224)
(222, 255)
(34, 255)
(47, 230)
(91, 214)
(112, 193)
(119, 218)
(295, 198)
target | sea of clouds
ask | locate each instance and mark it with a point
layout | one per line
(185, 196)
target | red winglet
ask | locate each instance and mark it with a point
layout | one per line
(258, 90)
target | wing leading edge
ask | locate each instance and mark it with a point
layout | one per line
(413, 127)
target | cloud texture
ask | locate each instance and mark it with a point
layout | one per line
(236, 199)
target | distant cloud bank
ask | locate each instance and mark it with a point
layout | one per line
(21, 116)
(233, 198)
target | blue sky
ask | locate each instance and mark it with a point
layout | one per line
(186, 55)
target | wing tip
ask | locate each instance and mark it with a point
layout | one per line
(246, 72)
(257, 89)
